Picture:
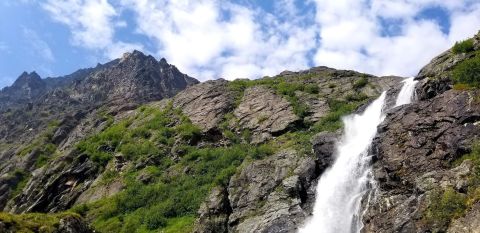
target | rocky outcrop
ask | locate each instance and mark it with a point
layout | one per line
(264, 113)
(206, 103)
(56, 187)
(414, 152)
(268, 195)
(135, 78)
(214, 212)
(275, 194)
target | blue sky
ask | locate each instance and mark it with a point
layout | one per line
(231, 39)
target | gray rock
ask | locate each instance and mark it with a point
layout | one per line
(56, 188)
(214, 212)
(470, 223)
(268, 195)
(264, 113)
(206, 103)
(413, 152)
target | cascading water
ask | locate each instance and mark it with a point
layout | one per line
(341, 188)
(407, 92)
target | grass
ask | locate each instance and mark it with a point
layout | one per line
(360, 83)
(34, 222)
(156, 130)
(338, 108)
(22, 179)
(468, 72)
(464, 46)
(171, 201)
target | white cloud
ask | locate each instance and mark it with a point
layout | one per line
(91, 23)
(40, 47)
(212, 38)
(352, 38)
(197, 37)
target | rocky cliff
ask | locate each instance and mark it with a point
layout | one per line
(425, 155)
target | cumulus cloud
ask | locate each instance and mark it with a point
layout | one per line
(212, 38)
(91, 23)
(352, 34)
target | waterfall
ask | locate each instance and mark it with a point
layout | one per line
(407, 92)
(341, 188)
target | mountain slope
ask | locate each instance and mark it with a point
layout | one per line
(153, 166)
(137, 146)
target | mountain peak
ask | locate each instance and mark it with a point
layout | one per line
(136, 56)
(31, 79)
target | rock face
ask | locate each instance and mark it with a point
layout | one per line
(416, 154)
(136, 78)
(205, 104)
(55, 188)
(275, 194)
(415, 146)
(264, 113)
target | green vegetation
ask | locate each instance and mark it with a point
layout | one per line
(468, 72)
(42, 146)
(332, 121)
(22, 178)
(171, 199)
(464, 46)
(445, 205)
(360, 83)
(32, 223)
(136, 142)
(448, 204)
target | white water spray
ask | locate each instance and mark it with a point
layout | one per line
(407, 92)
(341, 188)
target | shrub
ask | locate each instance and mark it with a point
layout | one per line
(464, 46)
(356, 97)
(188, 131)
(445, 205)
(34, 222)
(468, 72)
(332, 121)
(362, 82)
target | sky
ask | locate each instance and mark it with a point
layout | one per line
(210, 39)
